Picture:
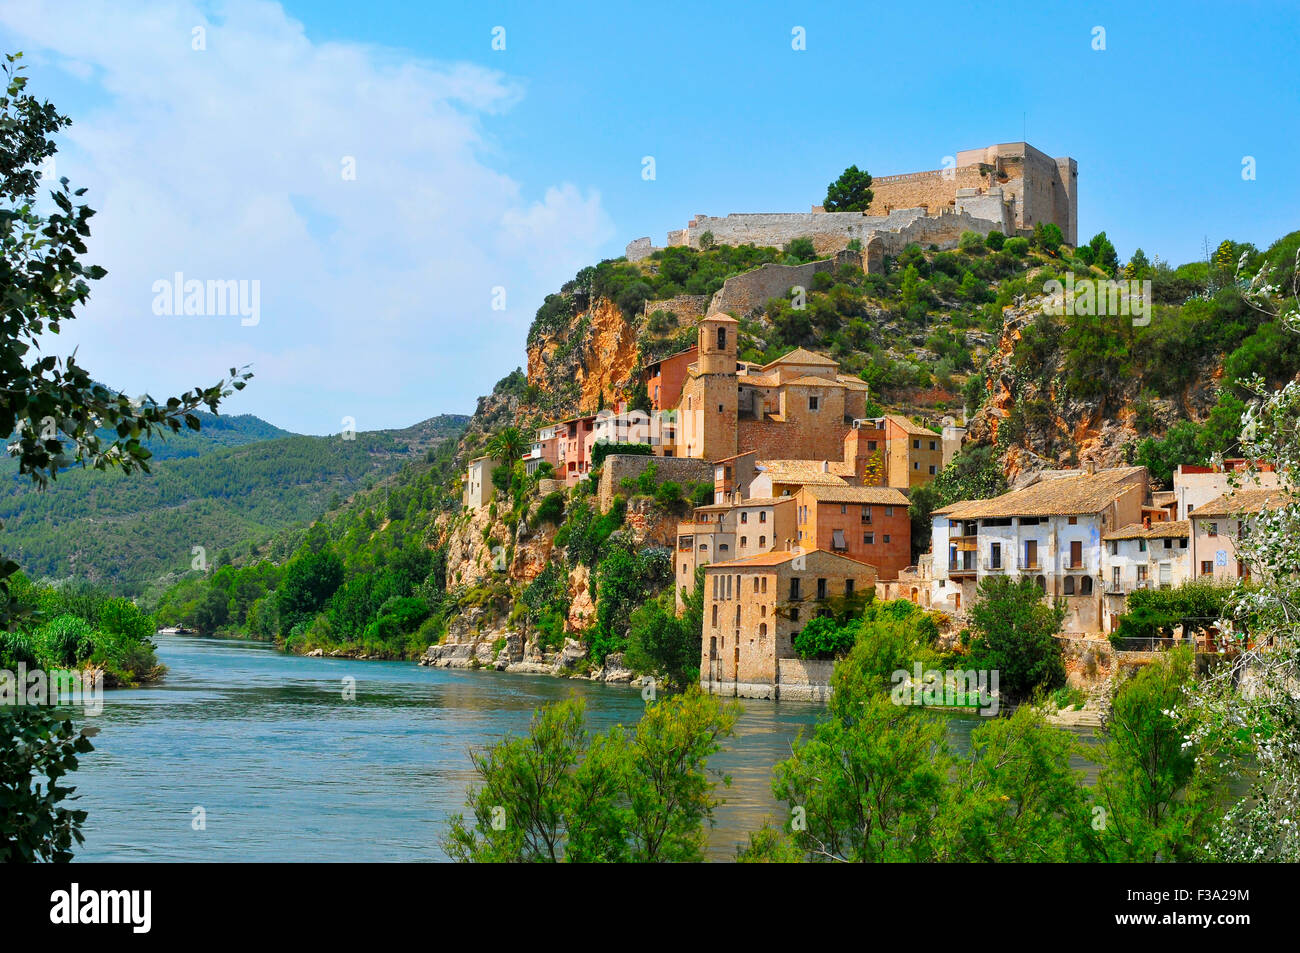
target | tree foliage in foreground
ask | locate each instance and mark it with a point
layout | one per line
(560, 793)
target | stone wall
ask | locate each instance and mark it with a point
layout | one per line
(639, 248)
(687, 309)
(620, 466)
(741, 294)
(829, 231)
(933, 190)
(803, 680)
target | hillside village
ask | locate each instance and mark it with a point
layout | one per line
(809, 483)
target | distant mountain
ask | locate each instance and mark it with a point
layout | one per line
(237, 481)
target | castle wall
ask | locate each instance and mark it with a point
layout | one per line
(619, 466)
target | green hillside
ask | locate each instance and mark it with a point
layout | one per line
(222, 488)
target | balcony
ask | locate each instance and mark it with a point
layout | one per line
(962, 568)
(991, 566)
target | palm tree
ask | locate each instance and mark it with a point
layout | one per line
(507, 446)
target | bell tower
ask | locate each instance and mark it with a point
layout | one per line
(718, 345)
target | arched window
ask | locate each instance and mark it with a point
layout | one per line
(1085, 586)
(1069, 585)
(762, 541)
(762, 630)
(737, 615)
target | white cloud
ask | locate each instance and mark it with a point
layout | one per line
(227, 163)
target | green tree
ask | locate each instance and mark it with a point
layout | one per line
(664, 644)
(1013, 632)
(309, 581)
(1016, 798)
(851, 192)
(867, 786)
(37, 749)
(508, 445)
(58, 416)
(643, 795)
(1159, 800)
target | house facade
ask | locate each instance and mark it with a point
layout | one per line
(867, 523)
(478, 490)
(1050, 531)
(754, 608)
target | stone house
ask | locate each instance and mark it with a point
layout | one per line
(727, 531)
(867, 523)
(754, 608)
(478, 490)
(1217, 526)
(1147, 555)
(1050, 531)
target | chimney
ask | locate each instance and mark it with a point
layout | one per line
(826, 466)
(1090, 467)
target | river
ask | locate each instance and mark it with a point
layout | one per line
(263, 747)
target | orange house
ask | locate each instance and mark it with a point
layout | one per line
(866, 523)
(664, 378)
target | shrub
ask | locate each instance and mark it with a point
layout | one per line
(995, 240)
(1017, 246)
(551, 509)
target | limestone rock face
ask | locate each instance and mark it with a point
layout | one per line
(591, 360)
(572, 653)
(582, 610)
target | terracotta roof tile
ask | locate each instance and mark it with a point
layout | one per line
(1074, 495)
(1245, 501)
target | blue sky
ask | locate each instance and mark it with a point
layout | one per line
(479, 169)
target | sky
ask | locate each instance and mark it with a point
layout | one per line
(400, 192)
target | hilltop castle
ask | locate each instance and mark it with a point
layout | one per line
(1009, 187)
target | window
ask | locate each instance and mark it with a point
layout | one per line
(1142, 545)
(764, 587)
(737, 615)
(1213, 529)
(1114, 578)
(916, 445)
(762, 516)
(756, 584)
(933, 445)
(821, 588)
(715, 612)
(995, 556)
(1114, 548)
(844, 508)
(794, 617)
(762, 630)
(886, 539)
(744, 517)
(866, 514)
(889, 511)
(794, 588)
(916, 465)
(1085, 585)
(762, 541)
(1182, 543)
(1074, 521)
(1076, 554)
(1207, 567)
(932, 470)
(871, 445)
(744, 541)
(869, 539)
(722, 339)
(723, 547)
(837, 540)
(812, 402)
(1142, 574)
(848, 587)
(1169, 544)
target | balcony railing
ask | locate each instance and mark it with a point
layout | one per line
(991, 566)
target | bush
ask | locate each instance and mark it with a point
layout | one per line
(995, 240)
(551, 509)
(1017, 246)
(970, 241)
(823, 638)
